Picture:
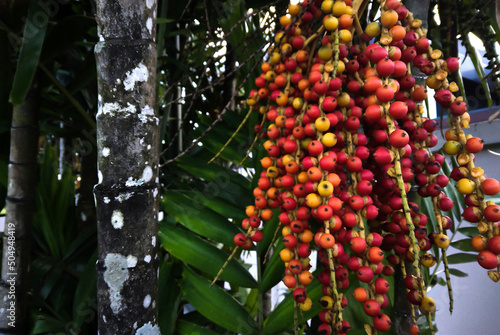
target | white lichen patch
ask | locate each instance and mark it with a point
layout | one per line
(160, 216)
(104, 318)
(147, 301)
(99, 177)
(149, 147)
(117, 219)
(148, 329)
(153, 241)
(155, 192)
(147, 174)
(139, 74)
(149, 3)
(113, 107)
(115, 275)
(106, 152)
(106, 200)
(124, 196)
(149, 25)
(147, 259)
(131, 261)
(133, 182)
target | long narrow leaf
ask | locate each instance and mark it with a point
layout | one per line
(281, 318)
(211, 301)
(274, 270)
(189, 328)
(169, 297)
(202, 221)
(33, 37)
(461, 257)
(476, 60)
(202, 255)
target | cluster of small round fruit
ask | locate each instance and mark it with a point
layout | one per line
(345, 140)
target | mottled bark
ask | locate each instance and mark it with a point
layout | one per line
(126, 195)
(20, 206)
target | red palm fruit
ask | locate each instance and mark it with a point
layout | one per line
(474, 145)
(421, 156)
(458, 108)
(414, 330)
(492, 213)
(371, 85)
(375, 255)
(358, 245)
(374, 239)
(365, 187)
(304, 250)
(353, 263)
(385, 93)
(349, 219)
(422, 44)
(494, 244)
(490, 186)
(381, 286)
(399, 69)
(329, 104)
(407, 82)
(487, 259)
(354, 164)
(371, 307)
(324, 329)
(445, 204)
(378, 53)
(472, 214)
(408, 54)
(315, 148)
(362, 153)
(290, 241)
(289, 281)
(399, 138)
(414, 296)
(385, 67)
(299, 294)
(295, 266)
(419, 94)
(444, 98)
(303, 213)
(430, 125)
(356, 202)
(402, 12)
(352, 66)
(452, 64)
(335, 84)
(352, 123)
(298, 42)
(373, 112)
(383, 156)
(398, 109)
(364, 274)
(240, 239)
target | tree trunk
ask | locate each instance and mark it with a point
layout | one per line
(20, 206)
(127, 196)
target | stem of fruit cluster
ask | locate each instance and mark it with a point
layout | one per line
(233, 135)
(296, 318)
(404, 198)
(443, 251)
(235, 250)
(272, 243)
(256, 137)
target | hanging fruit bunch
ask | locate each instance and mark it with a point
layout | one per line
(347, 140)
